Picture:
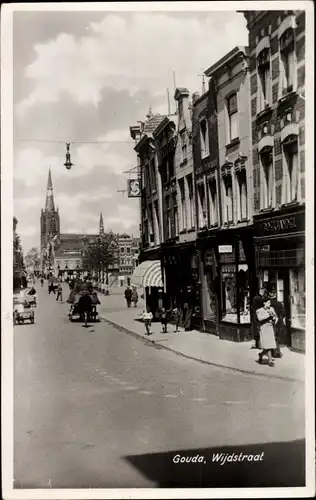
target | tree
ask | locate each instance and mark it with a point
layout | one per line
(32, 259)
(18, 264)
(100, 254)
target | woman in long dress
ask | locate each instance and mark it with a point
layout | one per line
(267, 318)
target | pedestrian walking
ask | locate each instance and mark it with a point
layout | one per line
(164, 320)
(256, 304)
(59, 292)
(42, 282)
(128, 296)
(279, 325)
(176, 313)
(267, 318)
(147, 317)
(134, 296)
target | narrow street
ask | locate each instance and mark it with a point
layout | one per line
(96, 407)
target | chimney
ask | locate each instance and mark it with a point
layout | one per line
(195, 97)
(181, 95)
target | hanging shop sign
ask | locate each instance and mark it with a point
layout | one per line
(133, 188)
(225, 248)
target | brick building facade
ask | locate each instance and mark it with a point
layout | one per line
(277, 74)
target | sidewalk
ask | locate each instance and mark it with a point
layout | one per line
(202, 346)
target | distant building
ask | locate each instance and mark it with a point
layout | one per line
(50, 227)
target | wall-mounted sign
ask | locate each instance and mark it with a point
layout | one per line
(280, 224)
(276, 226)
(225, 248)
(133, 188)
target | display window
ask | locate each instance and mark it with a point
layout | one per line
(235, 290)
(297, 296)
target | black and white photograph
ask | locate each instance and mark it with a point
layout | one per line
(157, 281)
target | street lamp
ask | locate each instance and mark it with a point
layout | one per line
(68, 163)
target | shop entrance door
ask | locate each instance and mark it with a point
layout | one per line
(283, 295)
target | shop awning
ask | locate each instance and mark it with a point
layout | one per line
(148, 273)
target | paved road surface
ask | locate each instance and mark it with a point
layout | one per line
(97, 407)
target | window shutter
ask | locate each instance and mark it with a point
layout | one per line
(281, 78)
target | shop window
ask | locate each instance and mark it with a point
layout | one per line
(204, 138)
(202, 206)
(183, 205)
(264, 79)
(184, 148)
(290, 184)
(242, 196)
(266, 197)
(232, 112)
(297, 295)
(235, 288)
(228, 199)
(288, 64)
(189, 179)
(213, 202)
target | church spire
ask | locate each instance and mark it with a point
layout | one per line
(101, 226)
(49, 194)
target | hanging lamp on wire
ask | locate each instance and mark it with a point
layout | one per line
(68, 163)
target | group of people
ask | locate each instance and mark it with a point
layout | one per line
(269, 320)
(131, 296)
(176, 315)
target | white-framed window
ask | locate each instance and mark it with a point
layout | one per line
(153, 174)
(213, 201)
(288, 64)
(184, 147)
(183, 205)
(264, 96)
(175, 215)
(266, 195)
(228, 199)
(191, 214)
(242, 211)
(157, 222)
(232, 114)
(205, 149)
(202, 206)
(168, 218)
(291, 171)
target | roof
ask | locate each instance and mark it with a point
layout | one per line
(152, 123)
(224, 60)
(71, 245)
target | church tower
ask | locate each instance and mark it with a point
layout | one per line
(50, 225)
(101, 225)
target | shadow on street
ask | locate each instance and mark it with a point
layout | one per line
(283, 465)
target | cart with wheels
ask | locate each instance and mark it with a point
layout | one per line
(23, 312)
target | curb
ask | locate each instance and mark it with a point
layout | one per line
(210, 363)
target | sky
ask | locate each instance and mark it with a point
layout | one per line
(86, 77)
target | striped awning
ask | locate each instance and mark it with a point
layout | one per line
(148, 273)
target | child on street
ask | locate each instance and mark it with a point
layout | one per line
(176, 317)
(147, 318)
